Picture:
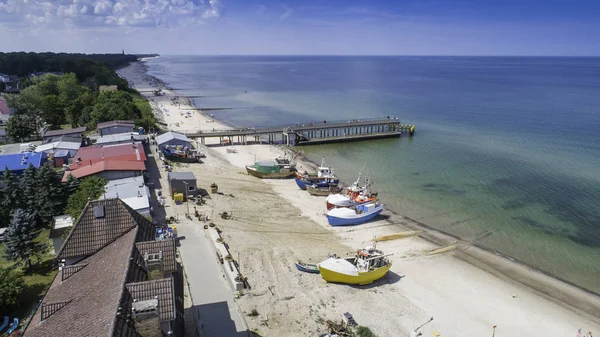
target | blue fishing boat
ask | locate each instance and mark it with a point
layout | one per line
(355, 215)
(307, 267)
(324, 177)
(300, 181)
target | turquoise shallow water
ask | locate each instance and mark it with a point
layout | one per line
(506, 152)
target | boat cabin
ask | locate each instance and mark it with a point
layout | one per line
(370, 258)
(366, 208)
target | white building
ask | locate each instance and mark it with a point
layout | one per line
(120, 138)
(132, 191)
(173, 139)
(54, 147)
(60, 225)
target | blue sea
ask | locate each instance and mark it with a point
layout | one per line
(506, 152)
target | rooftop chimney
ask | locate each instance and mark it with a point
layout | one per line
(146, 318)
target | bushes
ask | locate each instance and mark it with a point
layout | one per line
(90, 188)
(11, 286)
(363, 331)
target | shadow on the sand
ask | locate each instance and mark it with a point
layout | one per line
(389, 278)
(214, 319)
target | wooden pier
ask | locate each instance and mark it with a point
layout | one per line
(312, 133)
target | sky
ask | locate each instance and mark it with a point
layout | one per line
(307, 27)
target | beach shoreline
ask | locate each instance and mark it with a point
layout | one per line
(538, 287)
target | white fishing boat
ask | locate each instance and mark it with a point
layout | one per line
(354, 215)
(355, 195)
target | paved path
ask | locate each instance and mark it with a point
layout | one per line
(211, 294)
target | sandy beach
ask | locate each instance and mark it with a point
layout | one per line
(466, 290)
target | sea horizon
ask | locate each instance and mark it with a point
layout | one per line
(375, 55)
(491, 161)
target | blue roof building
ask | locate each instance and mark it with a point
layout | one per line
(18, 162)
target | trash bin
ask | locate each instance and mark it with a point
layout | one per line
(214, 188)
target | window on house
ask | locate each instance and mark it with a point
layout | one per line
(191, 188)
(153, 257)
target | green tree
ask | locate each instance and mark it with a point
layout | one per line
(20, 238)
(20, 126)
(71, 185)
(11, 287)
(50, 198)
(11, 196)
(74, 97)
(90, 188)
(29, 191)
(114, 105)
(86, 115)
(45, 104)
(40, 101)
(3, 210)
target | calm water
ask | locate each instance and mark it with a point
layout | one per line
(506, 152)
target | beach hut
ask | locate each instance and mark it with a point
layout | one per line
(173, 139)
(61, 158)
(182, 182)
(114, 127)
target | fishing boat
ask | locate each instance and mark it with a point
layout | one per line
(324, 177)
(323, 191)
(366, 266)
(307, 267)
(270, 170)
(354, 195)
(287, 159)
(181, 154)
(355, 215)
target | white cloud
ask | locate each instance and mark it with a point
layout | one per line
(102, 7)
(38, 14)
(286, 14)
(213, 10)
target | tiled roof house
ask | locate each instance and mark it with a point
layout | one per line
(114, 280)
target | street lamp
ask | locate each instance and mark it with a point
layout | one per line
(187, 202)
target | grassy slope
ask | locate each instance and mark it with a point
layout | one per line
(37, 281)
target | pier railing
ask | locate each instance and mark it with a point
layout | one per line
(281, 127)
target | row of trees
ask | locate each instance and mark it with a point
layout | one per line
(29, 201)
(93, 70)
(56, 100)
(38, 192)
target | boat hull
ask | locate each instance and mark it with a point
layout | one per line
(323, 191)
(360, 279)
(346, 203)
(355, 219)
(278, 175)
(300, 183)
(307, 268)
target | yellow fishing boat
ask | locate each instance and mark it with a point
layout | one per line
(367, 266)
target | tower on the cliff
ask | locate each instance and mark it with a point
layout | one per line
(123, 52)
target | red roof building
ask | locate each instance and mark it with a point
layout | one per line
(108, 168)
(122, 152)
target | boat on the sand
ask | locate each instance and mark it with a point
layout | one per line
(323, 178)
(270, 170)
(367, 266)
(307, 267)
(355, 215)
(355, 195)
(323, 191)
(181, 154)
